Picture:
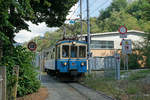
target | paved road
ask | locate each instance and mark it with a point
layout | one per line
(69, 91)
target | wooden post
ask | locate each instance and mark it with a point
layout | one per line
(4, 83)
(1, 50)
(16, 73)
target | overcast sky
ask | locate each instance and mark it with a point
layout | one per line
(39, 30)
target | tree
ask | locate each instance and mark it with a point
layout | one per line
(116, 5)
(116, 20)
(15, 13)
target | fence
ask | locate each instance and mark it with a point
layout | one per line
(97, 63)
(110, 65)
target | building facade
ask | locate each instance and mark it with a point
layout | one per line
(106, 44)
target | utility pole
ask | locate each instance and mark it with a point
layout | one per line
(64, 31)
(81, 16)
(88, 36)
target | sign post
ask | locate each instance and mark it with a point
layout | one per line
(117, 57)
(126, 45)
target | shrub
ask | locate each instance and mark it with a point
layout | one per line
(27, 81)
(132, 61)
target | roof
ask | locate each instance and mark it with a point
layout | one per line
(70, 41)
(109, 33)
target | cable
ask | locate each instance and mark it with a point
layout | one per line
(74, 12)
(100, 6)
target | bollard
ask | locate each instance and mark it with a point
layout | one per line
(16, 73)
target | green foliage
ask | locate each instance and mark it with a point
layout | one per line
(13, 17)
(133, 61)
(14, 13)
(27, 82)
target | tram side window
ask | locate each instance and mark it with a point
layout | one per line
(58, 52)
(73, 51)
(82, 51)
(65, 51)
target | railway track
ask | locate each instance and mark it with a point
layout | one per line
(89, 93)
(70, 90)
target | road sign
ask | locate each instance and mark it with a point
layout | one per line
(72, 21)
(123, 35)
(126, 46)
(123, 30)
(32, 46)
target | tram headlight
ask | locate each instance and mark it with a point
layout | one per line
(82, 64)
(65, 63)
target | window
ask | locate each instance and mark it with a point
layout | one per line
(73, 51)
(82, 51)
(58, 52)
(97, 44)
(65, 51)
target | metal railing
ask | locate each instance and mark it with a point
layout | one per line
(108, 64)
(97, 63)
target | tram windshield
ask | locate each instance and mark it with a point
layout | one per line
(73, 51)
(65, 51)
(82, 51)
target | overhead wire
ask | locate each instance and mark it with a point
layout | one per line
(100, 6)
(91, 4)
(74, 12)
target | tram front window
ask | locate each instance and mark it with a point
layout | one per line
(65, 51)
(82, 51)
(73, 51)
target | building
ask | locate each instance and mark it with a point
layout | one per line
(105, 44)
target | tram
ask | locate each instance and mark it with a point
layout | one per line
(68, 56)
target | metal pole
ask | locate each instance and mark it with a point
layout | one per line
(81, 17)
(127, 63)
(124, 61)
(64, 31)
(88, 34)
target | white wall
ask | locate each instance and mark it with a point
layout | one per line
(117, 40)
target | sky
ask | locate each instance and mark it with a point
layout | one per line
(38, 30)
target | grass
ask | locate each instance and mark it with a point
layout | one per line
(139, 74)
(131, 88)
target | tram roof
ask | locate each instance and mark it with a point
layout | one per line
(70, 41)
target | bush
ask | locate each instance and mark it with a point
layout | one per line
(132, 61)
(27, 82)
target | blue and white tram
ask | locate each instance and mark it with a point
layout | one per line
(68, 56)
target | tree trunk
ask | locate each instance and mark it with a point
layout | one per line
(1, 50)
